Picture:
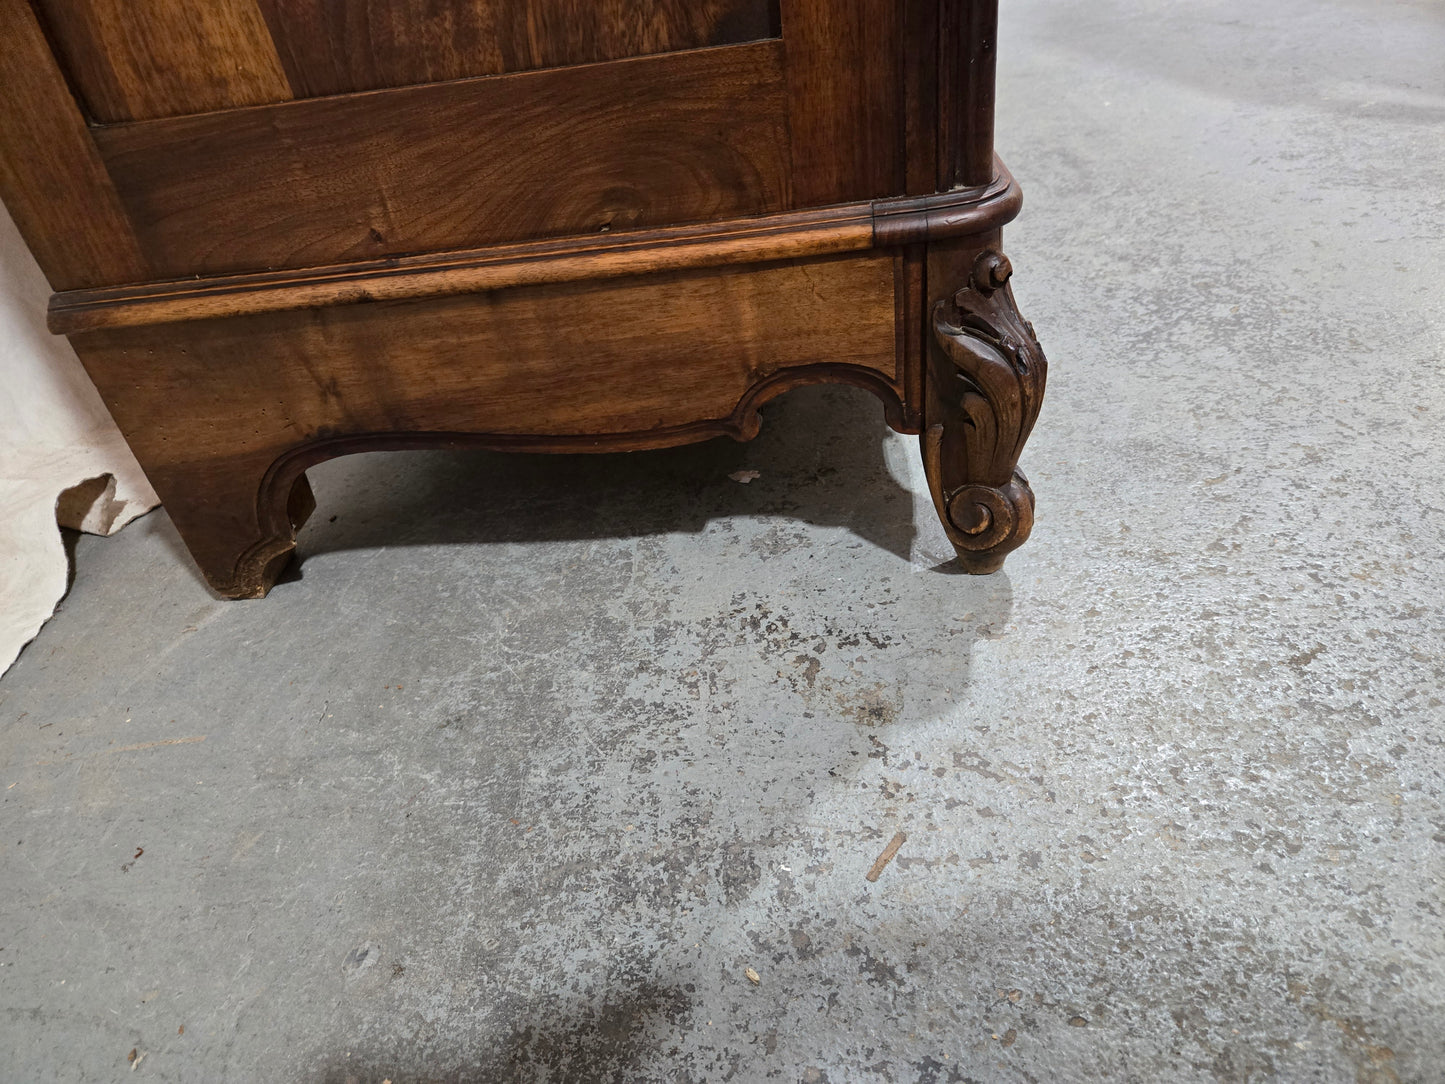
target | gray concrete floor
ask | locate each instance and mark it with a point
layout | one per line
(538, 755)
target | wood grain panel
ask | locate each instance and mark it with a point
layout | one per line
(845, 97)
(684, 137)
(632, 356)
(335, 48)
(135, 59)
(51, 178)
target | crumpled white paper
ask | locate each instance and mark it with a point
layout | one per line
(62, 460)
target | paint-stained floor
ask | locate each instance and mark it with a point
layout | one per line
(538, 756)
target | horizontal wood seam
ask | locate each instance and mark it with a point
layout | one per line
(847, 228)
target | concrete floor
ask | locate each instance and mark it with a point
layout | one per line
(538, 755)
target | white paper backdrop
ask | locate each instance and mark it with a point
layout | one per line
(60, 454)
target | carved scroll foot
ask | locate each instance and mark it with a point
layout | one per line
(986, 384)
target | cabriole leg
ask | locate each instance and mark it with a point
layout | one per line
(986, 376)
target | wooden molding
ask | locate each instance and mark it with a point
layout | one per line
(854, 227)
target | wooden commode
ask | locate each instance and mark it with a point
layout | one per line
(286, 230)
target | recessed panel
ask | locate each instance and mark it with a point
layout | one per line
(143, 59)
(679, 138)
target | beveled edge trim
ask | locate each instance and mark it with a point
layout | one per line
(964, 211)
(853, 227)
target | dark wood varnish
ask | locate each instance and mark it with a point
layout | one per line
(307, 229)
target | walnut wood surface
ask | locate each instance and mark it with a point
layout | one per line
(51, 177)
(212, 406)
(859, 108)
(920, 19)
(144, 59)
(684, 137)
(527, 235)
(335, 48)
(987, 375)
(153, 58)
(845, 99)
(846, 228)
(968, 51)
